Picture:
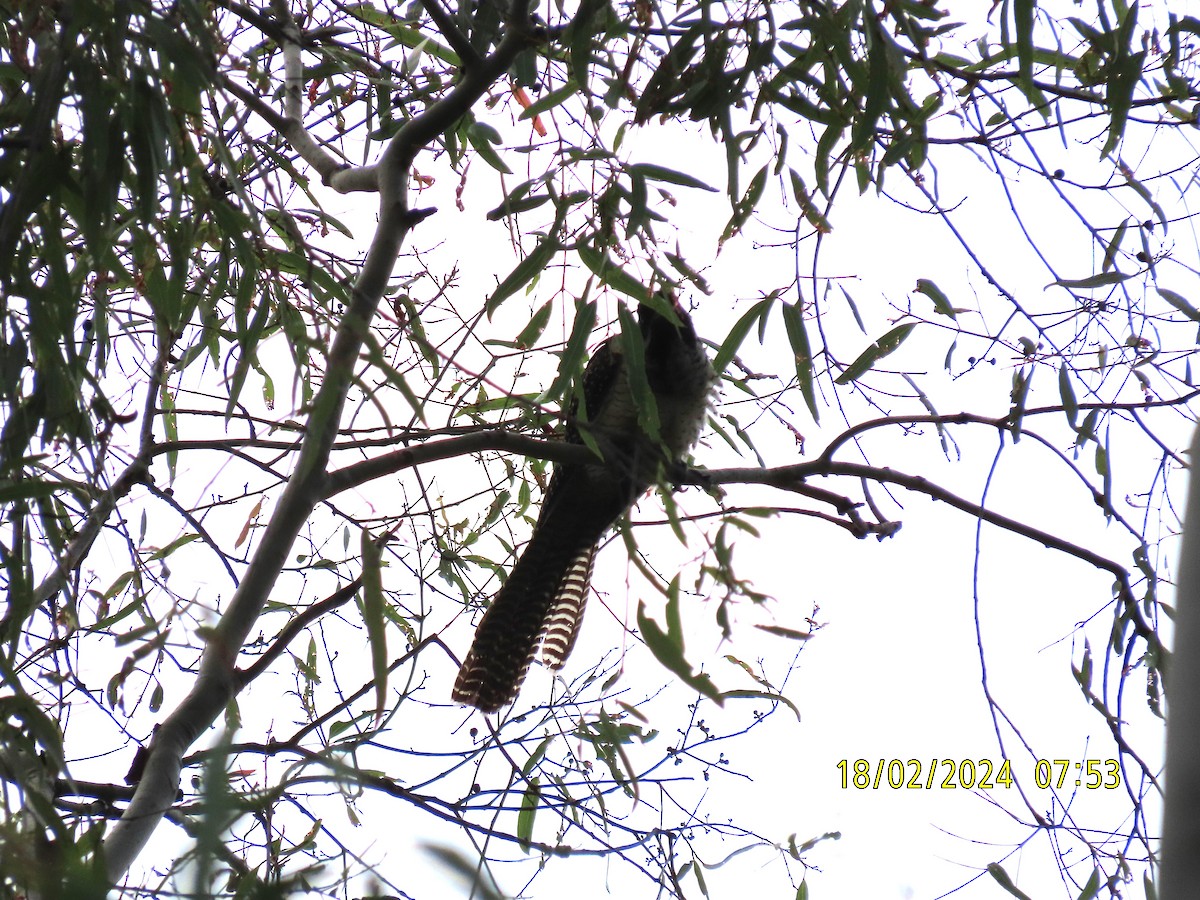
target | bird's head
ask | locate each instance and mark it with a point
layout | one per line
(665, 325)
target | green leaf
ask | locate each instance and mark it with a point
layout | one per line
(529, 808)
(10, 492)
(1102, 279)
(667, 646)
(1067, 392)
(1022, 381)
(536, 756)
(476, 877)
(815, 217)
(1104, 470)
(571, 362)
(1087, 431)
(166, 551)
(1122, 81)
(373, 617)
(510, 207)
(551, 100)
(1110, 251)
(1180, 304)
(393, 375)
(1144, 192)
(661, 173)
(611, 274)
(588, 24)
(402, 34)
(853, 308)
(795, 851)
(1124, 73)
(681, 266)
(170, 420)
(1023, 12)
(531, 332)
(998, 873)
(793, 322)
(1092, 888)
(247, 349)
(737, 334)
(638, 217)
(482, 136)
(745, 206)
(824, 155)
(633, 351)
(877, 351)
(763, 695)
(525, 271)
(878, 88)
(941, 303)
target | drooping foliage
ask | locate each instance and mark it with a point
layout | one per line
(292, 295)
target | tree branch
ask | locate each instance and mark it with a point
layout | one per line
(218, 681)
(1181, 827)
(454, 37)
(335, 174)
(790, 478)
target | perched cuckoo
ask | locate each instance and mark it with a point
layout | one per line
(541, 602)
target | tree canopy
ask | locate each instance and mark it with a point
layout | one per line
(292, 297)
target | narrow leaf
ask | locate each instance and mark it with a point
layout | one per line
(529, 808)
(770, 696)
(531, 332)
(793, 321)
(997, 872)
(525, 271)
(1110, 251)
(1067, 392)
(1177, 301)
(610, 273)
(671, 176)
(633, 351)
(1023, 11)
(482, 136)
(877, 351)
(573, 354)
(1092, 888)
(1103, 279)
(373, 617)
(1123, 79)
(667, 647)
(941, 303)
(737, 334)
(551, 100)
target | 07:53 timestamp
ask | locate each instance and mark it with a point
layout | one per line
(982, 774)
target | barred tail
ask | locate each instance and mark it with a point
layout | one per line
(544, 596)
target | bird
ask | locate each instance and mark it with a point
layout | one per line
(541, 603)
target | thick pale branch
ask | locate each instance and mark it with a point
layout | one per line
(293, 65)
(217, 681)
(334, 173)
